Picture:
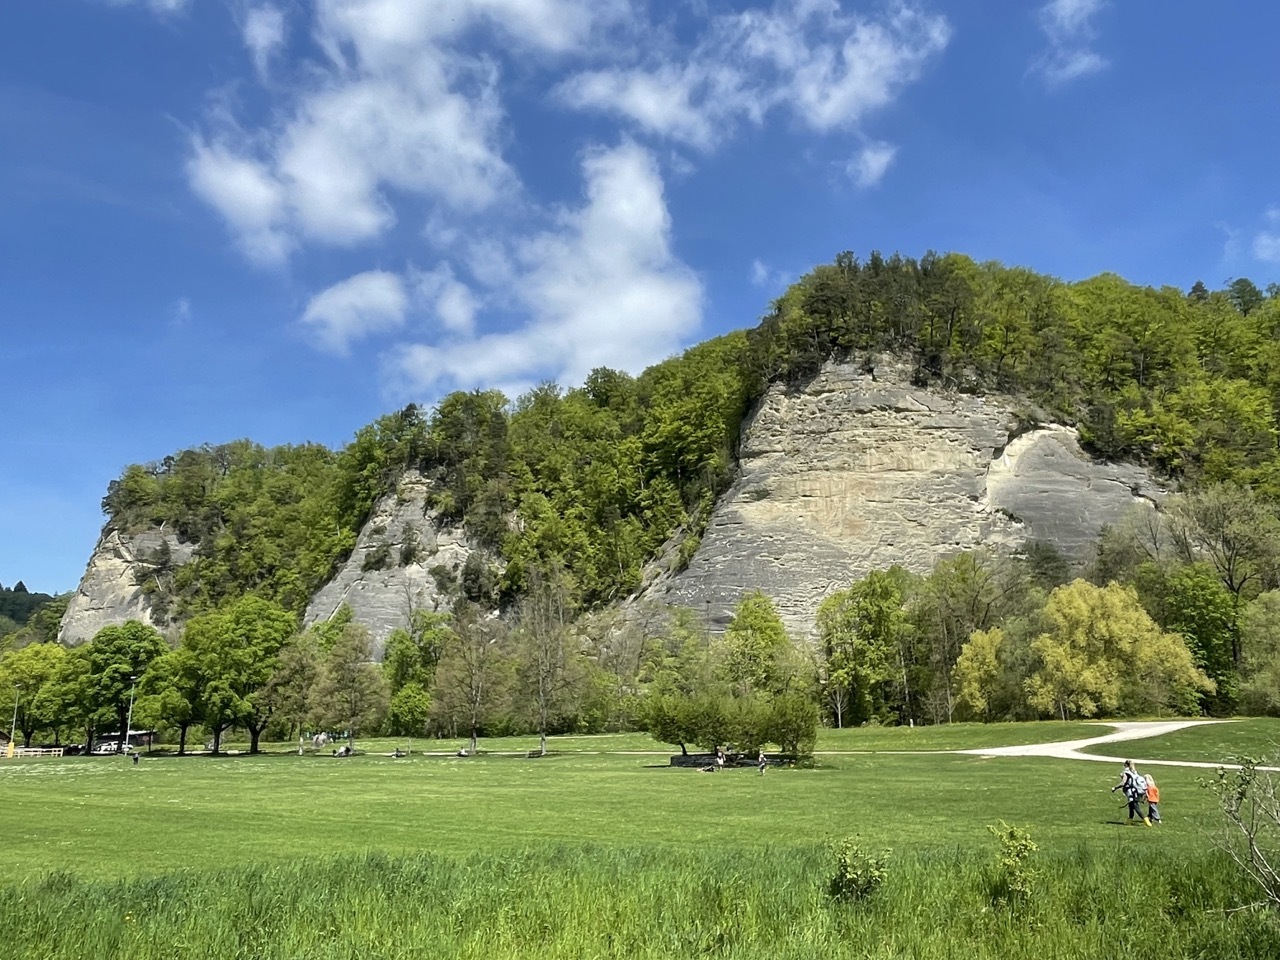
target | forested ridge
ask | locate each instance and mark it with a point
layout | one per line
(576, 490)
(597, 477)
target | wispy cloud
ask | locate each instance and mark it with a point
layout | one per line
(1266, 242)
(396, 106)
(264, 33)
(161, 7)
(805, 57)
(1068, 25)
(599, 287)
(765, 277)
(400, 115)
(368, 303)
(869, 166)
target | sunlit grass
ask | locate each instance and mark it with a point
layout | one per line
(691, 901)
(104, 817)
(603, 850)
(1209, 743)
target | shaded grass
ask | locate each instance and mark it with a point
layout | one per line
(1210, 743)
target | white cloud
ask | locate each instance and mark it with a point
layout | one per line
(1069, 28)
(1266, 243)
(247, 194)
(398, 106)
(869, 166)
(263, 31)
(762, 275)
(601, 288)
(451, 301)
(368, 303)
(806, 57)
(161, 7)
(182, 312)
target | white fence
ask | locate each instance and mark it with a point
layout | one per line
(33, 752)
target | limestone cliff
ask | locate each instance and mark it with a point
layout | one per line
(389, 573)
(858, 471)
(113, 588)
(855, 471)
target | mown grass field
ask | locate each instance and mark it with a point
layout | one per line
(595, 853)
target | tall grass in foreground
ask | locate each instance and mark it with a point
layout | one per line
(643, 902)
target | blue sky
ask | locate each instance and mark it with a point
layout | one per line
(279, 219)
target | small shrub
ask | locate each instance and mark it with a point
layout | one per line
(1250, 803)
(410, 549)
(446, 580)
(1013, 879)
(379, 558)
(688, 547)
(857, 873)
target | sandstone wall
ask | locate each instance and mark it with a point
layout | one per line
(859, 471)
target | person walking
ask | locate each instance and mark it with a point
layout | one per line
(1135, 791)
(762, 761)
(1153, 801)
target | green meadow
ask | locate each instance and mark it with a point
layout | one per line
(603, 849)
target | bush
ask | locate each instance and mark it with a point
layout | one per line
(379, 558)
(857, 874)
(1012, 880)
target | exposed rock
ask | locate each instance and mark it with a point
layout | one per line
(860, 471)
(381, 588)
(854, 472)
(112, 588)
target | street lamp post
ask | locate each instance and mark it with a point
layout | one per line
(128, 724)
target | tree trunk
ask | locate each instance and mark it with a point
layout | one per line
(182, 738)
(472, 752)
(254, 734)
(542, 742)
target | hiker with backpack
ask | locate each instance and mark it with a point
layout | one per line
(1134, 788)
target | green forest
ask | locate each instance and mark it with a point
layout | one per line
(24, 613)
(575, 490)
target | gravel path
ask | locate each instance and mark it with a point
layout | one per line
(1072, 749)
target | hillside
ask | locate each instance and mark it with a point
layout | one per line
(17, 605)
(596, 479)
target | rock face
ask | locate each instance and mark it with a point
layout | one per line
(860, 471)
(854, 472)
(112, 588)
(384, 581)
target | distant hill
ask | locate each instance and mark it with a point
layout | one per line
(17, 604)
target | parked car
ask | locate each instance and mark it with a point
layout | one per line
(105, 747)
